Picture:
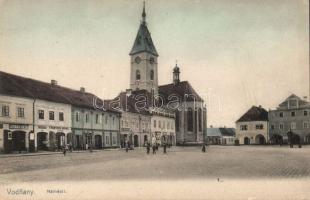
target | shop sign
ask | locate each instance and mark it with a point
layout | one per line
(31, 135)
(18, 126)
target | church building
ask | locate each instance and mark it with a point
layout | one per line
(175, 108)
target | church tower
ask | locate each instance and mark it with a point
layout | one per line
(144, 73)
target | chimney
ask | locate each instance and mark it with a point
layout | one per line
(128, 92)
(82, 89)
(53, 82)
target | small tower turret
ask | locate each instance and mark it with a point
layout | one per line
(176, 74)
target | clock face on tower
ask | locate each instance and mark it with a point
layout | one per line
(137, 59)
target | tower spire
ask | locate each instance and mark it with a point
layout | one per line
(143, 13)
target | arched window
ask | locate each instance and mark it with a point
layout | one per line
(200, 119)
(138, 76)
(190, 119)
(177, 120)
(152, 75)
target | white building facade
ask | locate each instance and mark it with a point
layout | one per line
(16, 124)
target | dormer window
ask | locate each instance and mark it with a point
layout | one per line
(138, 75)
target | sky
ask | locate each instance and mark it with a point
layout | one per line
(234, 53)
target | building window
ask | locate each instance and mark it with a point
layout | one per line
(86, 117)
(243, 127)
(259, 126)
(97, 119)
(306, 125)
(41, 114)
(272, 127)
(293, 103)
(293, 125)
(281, 126)
(61, 116)
(77, 116)
(159, 124)
(5, 111)
(20, 112)
(106, 119)
(293, 113)
(51, 115)
(190, 119)
(107, 140)
(152, 75)
(281, 114)
(305, 113)
(138, 75)
(114, 140)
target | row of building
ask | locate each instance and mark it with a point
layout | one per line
(289, 122)
(38, 115)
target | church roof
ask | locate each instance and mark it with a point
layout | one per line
(131, 103)
(254, 114)
(143, 41)
(19, 86)
(183, 90)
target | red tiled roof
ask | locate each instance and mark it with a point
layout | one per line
(254, 114)
(25, 87)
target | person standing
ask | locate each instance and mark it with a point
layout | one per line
(165, 147)
(65, 148)
(126, 146)
(148, 146)
(154, 148)
(203, 148)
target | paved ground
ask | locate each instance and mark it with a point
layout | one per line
(243, 162)
(245, 172)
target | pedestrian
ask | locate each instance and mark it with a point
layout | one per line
(148, 147)
(165, 148)
(86, 146)
(70, 147)
(65, 150)
(157, 146)
(126, 146)
(203, 148)
(154, 149)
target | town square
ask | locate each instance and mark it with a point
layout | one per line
(154, 100)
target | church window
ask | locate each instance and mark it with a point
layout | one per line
(190, 119)
(152, 75)
(200, 119)
(138, 75)
(177, 119)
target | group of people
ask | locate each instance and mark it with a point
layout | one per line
(155, 147)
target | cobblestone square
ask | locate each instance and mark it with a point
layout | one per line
(223, 172)
(223, 162)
